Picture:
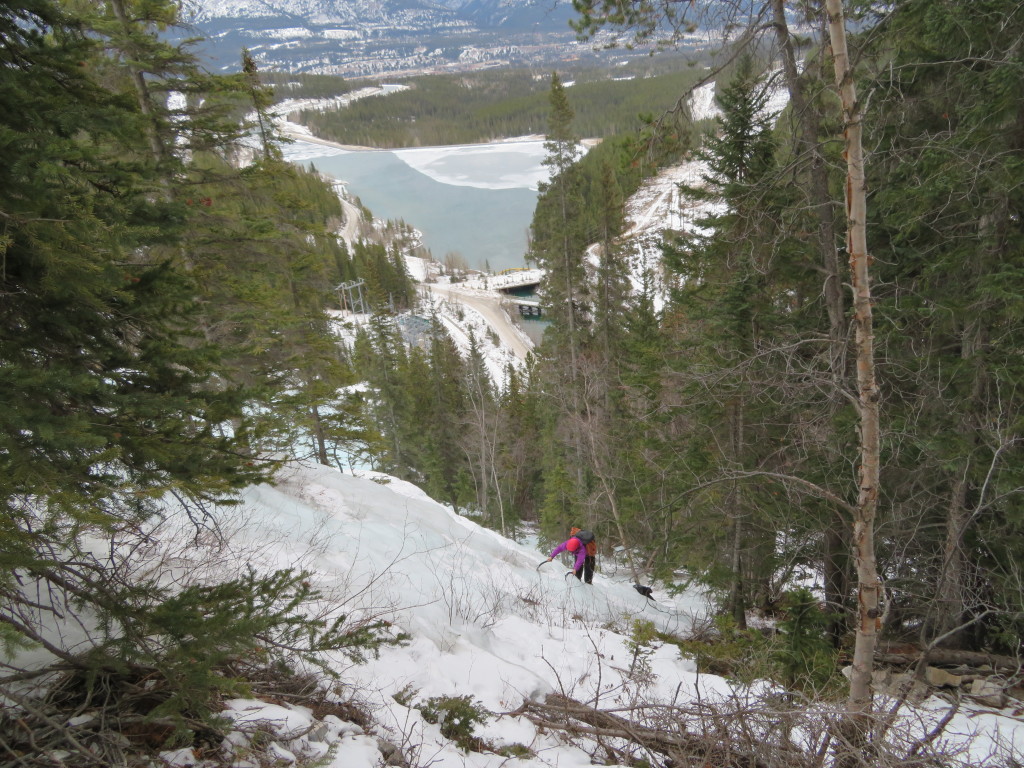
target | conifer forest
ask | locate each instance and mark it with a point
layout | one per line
(817, 381)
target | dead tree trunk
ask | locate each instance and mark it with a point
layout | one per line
(714, 747)
(949, 657)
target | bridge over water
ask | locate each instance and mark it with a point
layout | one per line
(510, 279)
(518, 286)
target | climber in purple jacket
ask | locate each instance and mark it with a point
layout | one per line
(579, 543)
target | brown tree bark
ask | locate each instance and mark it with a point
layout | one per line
(836, 578)
(950, 604)
(319, 437)
(809, 119)
(737, 597)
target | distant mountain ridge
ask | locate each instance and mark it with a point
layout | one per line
(363, 38)
(346, 11)
(303, 12)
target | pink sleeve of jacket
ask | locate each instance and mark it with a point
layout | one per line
(581, 553)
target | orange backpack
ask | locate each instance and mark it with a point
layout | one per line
(587, 538)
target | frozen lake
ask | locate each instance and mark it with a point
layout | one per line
(475, 200)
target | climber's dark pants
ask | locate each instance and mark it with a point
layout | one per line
(586, 573)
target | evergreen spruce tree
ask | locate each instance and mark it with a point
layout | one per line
(556, 243)
(949, 256)
(382, 360)
(612, 287)
(447, 475)
(650, 456)
(723, 292)
(520, 456)
(96, 326)
(557, 246)
(117, 391)
(262, 99)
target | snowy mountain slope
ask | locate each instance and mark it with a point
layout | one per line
(487, 623)
(449, 575)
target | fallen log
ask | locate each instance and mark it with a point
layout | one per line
(904, 657)
(679, 746)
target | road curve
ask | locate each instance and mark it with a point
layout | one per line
(492, 311)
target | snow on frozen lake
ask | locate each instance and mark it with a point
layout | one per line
(504, 165)
(511, 164)
(476, 201)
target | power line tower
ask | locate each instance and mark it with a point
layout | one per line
(351, 295)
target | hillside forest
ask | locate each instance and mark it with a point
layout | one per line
(480, 107)
(167, 335)
(164, 339)
(714, 433)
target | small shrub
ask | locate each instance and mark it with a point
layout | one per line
(457, 715)
(406, 696)
(743, 655)
(516, 750)
(806, 659)
(642, 634)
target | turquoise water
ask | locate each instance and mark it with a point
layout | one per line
(487, 227)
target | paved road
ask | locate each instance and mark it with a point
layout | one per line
(490, 308)
(308, 138)
(353, 219)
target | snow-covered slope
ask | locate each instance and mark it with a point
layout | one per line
(485, 622)
(445, 576)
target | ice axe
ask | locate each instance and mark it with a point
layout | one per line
(542, 562)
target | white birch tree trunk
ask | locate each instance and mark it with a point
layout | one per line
(859, 703)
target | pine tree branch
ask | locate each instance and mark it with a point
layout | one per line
(34, 636)
(32, 674)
